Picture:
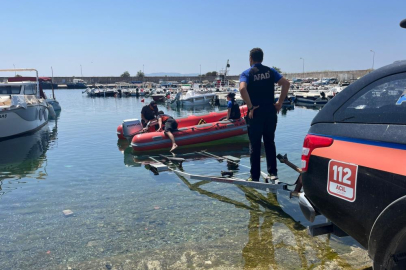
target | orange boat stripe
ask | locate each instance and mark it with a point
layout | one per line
(375, 157)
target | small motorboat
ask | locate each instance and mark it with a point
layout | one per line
(314, 97)
(194, 129)
(192, 98)
(159, 95)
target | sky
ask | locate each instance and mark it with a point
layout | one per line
(106, 38)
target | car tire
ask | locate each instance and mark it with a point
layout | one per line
(395, 255)
(387, 241)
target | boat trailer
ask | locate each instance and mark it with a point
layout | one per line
(174, 164)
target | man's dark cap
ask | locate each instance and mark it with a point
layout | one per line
(153, 103)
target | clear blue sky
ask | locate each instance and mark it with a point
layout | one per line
(110, 37)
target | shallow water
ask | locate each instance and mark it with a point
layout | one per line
(125, 217)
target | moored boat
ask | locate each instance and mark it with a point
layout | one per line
(42, 81)
(22, 108)
(316, 97)
(159, 95)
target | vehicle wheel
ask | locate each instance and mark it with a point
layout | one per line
(395, 256)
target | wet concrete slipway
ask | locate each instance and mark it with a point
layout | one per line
(125, 217)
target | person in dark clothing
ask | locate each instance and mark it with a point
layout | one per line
(148, 113)
(257, 86)
(233, 108)
(170, 125)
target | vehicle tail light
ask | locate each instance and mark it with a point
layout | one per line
(310, 143)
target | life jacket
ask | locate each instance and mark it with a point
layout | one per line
(261, 85)
(164, 118)
(235, 111)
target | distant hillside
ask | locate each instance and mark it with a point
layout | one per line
(171, 74)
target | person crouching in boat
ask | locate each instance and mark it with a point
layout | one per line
(233, 108)
(170, 126)
(148, 113)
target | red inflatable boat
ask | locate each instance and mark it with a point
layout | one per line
(189, 131)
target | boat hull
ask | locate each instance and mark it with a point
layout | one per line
(189, 135)
(21, 121)
(191, 120)
(197, 100)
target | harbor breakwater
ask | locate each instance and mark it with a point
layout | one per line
(340, 75)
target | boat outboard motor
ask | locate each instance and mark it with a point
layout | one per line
(177, 97)
(131, 127)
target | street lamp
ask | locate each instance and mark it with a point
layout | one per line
(200, 73)
(373, 59)
(81, 74)
(303, 66)
(15, 74)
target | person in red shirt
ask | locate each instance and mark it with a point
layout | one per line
(170, 126)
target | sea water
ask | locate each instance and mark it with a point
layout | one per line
(125, 217)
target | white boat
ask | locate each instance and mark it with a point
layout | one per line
(192, 98)
(22, 110)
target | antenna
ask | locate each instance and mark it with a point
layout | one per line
(227, 66)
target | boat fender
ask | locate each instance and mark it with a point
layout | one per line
(51, 114)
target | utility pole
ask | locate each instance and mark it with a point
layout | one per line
(303, 66)
(373, 59)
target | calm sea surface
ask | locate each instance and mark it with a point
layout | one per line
(125, 217)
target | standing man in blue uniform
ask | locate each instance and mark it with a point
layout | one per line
(257, 87)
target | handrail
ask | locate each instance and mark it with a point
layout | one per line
(24, 69)
(20, 69)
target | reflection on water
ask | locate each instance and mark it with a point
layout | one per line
(125, 217)
(275, 239)
(24, 156)
(238, 146)
(316, 107)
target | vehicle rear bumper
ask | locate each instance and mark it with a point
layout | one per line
(307, 208)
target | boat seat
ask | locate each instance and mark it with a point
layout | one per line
(5, 101)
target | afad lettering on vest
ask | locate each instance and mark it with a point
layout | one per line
(262, 76)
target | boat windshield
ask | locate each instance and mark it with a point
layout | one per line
(10, 89)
